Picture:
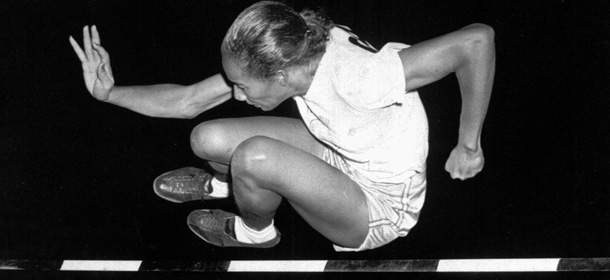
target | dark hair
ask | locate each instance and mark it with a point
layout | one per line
(269, 36)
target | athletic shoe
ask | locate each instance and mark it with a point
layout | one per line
(217, 227)
(184, 184)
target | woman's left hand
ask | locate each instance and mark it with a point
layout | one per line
(465, 163)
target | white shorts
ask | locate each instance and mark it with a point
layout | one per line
(393, 208)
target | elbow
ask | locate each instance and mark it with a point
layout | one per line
(480, 34)
(190, 116)
(187, 116)
(188, 107)
(486, 33)
(188, 113)
(478, 40)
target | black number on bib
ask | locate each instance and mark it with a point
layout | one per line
(362, 44)
(356, 41)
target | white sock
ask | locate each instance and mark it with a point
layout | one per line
(219, 188)
(248, 235)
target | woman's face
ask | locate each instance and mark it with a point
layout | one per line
(264, 94)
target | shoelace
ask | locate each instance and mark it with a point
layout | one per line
(188, 183)
(210, 222)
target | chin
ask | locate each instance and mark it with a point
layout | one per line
(265, 108)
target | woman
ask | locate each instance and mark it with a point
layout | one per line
(354, 167)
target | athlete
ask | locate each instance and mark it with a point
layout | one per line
(354, 167)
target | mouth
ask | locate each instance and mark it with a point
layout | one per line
(253, 104)
(258, 106)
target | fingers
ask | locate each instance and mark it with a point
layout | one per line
(103, 54)
(91, 51)
(460, 174)
(95, 36)
(464, 167)
(456, 174)
(79, 52)
(104, 76)
(463, 174)
(104, 57)
(87, 42)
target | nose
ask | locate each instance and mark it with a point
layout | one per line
(239, 94)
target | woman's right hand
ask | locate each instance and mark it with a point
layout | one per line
(96, 64)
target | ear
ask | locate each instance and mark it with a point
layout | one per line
(281, 77)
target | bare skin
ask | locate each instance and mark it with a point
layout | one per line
(162, 100)
(470, 54)
(275, 158)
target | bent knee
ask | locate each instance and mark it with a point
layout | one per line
(209, 141)
(254, 155)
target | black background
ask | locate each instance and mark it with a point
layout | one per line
(76, 174)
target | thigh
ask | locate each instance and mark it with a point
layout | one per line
(219, 138)
(324, 196)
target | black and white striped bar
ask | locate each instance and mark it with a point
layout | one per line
(457, 265)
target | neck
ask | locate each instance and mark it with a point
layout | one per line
(303, 76)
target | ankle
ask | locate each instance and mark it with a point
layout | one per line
(246, 234)
(219, 188)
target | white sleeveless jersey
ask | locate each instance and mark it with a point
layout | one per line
(357, 105)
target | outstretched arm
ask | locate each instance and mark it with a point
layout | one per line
(470, 53)
(163, 100)
(171, 100)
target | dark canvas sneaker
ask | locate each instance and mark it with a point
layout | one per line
(184, 184)
(217, 227)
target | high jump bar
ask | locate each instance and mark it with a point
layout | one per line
(423, 265)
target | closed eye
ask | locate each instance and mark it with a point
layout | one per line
(240, 86)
